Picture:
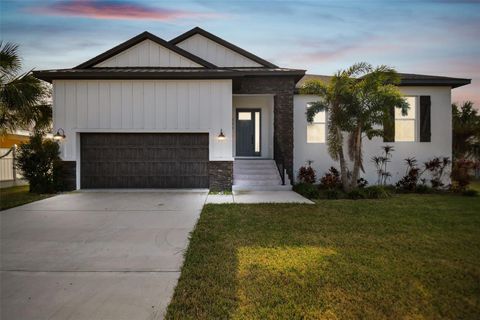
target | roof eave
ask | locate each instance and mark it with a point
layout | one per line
(92, 74)
(454, 83)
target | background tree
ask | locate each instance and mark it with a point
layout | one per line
(466, 131)
(358, 102)
(23, 98)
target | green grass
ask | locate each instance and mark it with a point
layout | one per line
(16, 196)
(475, 185)
(408, 257)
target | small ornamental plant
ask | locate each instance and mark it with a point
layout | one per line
(306, 174)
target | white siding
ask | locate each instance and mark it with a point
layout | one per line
(215, 53)
(440, 145)
(144, 106)
(148, 54)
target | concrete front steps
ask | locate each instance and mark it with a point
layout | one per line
(258, 175)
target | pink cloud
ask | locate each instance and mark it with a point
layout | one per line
(113, 10)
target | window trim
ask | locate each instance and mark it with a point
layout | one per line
(416, 127)
(313, 123)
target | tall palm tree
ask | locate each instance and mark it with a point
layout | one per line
(357, 101)
(22, 97)
(466, 131)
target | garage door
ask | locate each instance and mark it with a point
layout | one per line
(144, 160)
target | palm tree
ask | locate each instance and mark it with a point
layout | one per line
(466, 131)
(22, 96)
(358, 101)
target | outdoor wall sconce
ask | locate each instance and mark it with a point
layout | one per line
(221, 136)
(60, 135)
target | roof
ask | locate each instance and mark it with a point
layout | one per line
(406, 79)
(137, 39)
(410, 79)
(163, 73)
(206, 34)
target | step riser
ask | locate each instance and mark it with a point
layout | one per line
(256, 177)
(262, 188)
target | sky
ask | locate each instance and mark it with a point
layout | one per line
(435, 37)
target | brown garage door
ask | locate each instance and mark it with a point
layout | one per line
(144, 160)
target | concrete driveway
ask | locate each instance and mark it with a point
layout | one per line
(95, 255)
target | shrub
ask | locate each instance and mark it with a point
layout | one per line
(470, 193)
(356, 194)
(376, 192)
(331, 179)
(306, 174)
(307, 190)
(40, 163)
(332, 194)
(461, 174)
(436, 167)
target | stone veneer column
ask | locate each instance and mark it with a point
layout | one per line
(283, 128)
(221, 175)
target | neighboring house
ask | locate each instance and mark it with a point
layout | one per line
(199, 112)
(8, 171)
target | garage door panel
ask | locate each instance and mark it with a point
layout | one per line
(144, 160)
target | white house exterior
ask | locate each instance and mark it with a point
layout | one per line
(198, 111)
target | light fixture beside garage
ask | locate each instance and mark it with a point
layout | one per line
(221, 136)
(60, 135)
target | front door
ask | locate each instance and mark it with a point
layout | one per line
(248, 132)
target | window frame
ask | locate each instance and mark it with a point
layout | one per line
(313, 123)
(416, 118)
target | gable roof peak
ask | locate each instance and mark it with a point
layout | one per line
(137, 39)
(231, 46)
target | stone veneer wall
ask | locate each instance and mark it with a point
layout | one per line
(283, 88)
(221, 175)
(69, 175)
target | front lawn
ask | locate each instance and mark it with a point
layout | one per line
(408, 257)
(16, 196)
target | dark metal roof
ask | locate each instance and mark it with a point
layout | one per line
(406, 79)
(206, 34)
(164, 73)
(410, 79)
(137, 39)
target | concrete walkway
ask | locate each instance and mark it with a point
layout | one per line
(95, 255)
(258, 197)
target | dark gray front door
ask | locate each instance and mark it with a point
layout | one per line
(248, 132)
(144, 160)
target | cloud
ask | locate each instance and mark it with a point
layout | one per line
(107, 9)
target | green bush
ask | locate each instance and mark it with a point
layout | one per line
(376, 192)
(40, 163)
(356, 194)
(332, 194)
(307, 190)
(470, 193)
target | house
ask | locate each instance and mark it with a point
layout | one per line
(200, 112)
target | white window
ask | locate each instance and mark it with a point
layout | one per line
(316, 131)
(405, 125)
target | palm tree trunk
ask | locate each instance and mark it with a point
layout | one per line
(357, 158)
(343, 163)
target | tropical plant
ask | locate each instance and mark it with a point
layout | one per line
(40, 163)
(381, 162)
(461, 173)
(306, 174)
(466, 131)
(358, 101)
(412, 175)
(436, 167)
(331, 179)
(22, 96)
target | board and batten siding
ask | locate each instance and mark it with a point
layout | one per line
(215, 53)
(148, 54)
(440, 145)
(144, 106)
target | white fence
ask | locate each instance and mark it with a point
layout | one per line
(7, 165)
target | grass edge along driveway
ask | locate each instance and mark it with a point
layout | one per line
(16, 196)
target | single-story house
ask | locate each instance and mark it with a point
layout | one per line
(200, 112)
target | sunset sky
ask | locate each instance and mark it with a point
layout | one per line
(438, 37)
